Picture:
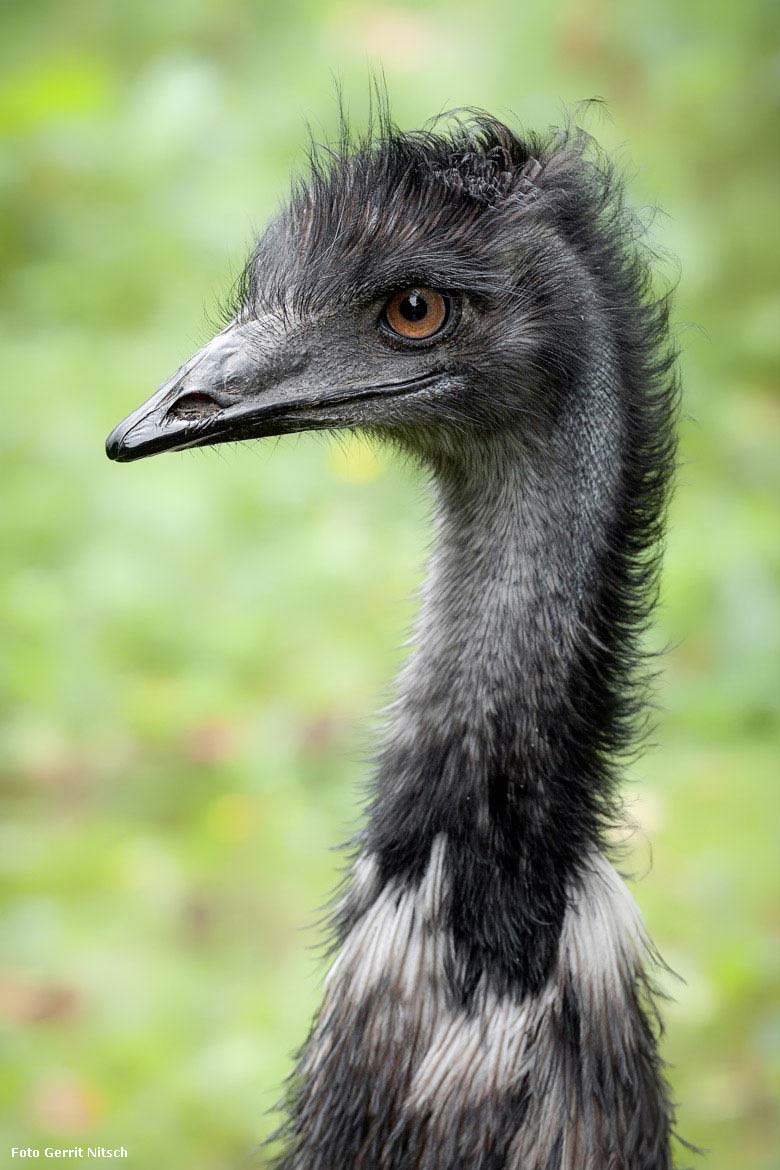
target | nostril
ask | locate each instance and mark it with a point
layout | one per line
(191, 407)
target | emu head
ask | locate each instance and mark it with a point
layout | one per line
(418, 286)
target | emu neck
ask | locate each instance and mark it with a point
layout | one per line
(503, 706)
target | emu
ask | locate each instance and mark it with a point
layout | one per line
(481, 300)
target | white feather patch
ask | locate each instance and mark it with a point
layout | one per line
(455, 1058)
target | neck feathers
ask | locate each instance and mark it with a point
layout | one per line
(489, 1005)
(522, 689)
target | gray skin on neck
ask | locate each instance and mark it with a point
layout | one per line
(518, 530)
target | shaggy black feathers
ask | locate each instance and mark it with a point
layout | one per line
(552, 452)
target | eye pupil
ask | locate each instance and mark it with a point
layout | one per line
(413, 307)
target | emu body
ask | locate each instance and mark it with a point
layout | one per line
(489, 1005)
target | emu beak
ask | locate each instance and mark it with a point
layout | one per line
(228, 390)
(248, 385)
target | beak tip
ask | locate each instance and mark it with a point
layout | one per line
(114, 446)
(120, 447)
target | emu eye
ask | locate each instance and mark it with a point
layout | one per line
(416, 313)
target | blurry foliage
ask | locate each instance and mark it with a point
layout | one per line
(190, 643)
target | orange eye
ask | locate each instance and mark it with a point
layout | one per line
(417, 313)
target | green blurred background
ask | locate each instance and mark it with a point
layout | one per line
(192, 644)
